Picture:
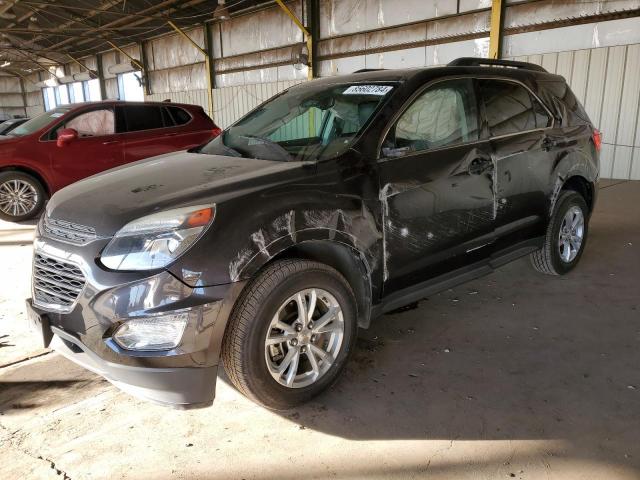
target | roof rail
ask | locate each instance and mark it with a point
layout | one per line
(489, 62)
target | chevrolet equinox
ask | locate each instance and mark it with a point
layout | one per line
(330, 204)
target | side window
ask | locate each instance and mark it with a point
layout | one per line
(510, 108)
(180, 117)
(143, 117)
(444, 115)
(542, 116)
(93, 123)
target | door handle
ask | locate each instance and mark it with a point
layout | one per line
(170, 134)
(479, 166)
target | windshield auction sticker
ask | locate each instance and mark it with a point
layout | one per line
(367, 90)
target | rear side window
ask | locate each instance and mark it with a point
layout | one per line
(144, 117)
(510, 108)
(443, 115)
(569, 108)
(180, 116)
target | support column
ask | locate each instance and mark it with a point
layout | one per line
(146, 81)
(210, 64)
(207, 61)
(103, 88)
(313, 27)
(495, 38)
(306, 33)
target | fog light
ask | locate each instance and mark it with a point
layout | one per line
(152, 333)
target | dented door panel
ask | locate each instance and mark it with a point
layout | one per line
(523, 170)
(438, 209)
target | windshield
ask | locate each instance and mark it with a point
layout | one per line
(311, 122)
(36, 123)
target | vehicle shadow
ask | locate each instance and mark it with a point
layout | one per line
(513, 356)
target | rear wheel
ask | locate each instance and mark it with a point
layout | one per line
(21, 196)
(290, 333)
(566, 236)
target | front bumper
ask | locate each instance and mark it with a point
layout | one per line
(182, 377)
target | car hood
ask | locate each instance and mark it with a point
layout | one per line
(109, 200)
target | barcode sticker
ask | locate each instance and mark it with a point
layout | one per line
(367, 90)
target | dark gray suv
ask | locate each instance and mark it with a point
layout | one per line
(328, 205)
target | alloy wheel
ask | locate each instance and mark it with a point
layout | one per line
(304, 338)
(571, 234)
(17, 197)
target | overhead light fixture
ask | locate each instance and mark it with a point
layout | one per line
(5, 64)
(33, 23)
(300, 57)
(221, 12)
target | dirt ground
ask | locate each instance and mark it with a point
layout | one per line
(515, 375)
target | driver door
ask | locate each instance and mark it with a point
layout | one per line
(97, 148)
(436, 186)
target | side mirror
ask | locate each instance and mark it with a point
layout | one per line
(66, 136)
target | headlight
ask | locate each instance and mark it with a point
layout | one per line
(152, 333)
(156, 240)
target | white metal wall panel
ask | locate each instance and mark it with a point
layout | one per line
(193, 97)
(607, 82)
(231, 103)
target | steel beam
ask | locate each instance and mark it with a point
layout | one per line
(495, 35)
(146, 82)
(313, 26)
(207, 61)
(103, 87)
(82, 65)
(306, 34)
(133, 60)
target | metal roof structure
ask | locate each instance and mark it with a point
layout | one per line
(35, 35)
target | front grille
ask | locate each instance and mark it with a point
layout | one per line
(56, 283)
(67, 231)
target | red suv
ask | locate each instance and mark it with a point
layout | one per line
(72, 142)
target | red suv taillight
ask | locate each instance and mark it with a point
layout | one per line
(216, 131)
(597, 139)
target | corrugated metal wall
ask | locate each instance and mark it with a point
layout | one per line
(607, 82)
(230, 103)
(194, 97)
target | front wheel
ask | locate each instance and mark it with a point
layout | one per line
(22, 196)
(566, 236)
(290, 333)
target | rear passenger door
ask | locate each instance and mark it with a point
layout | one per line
(150, 131)
(517, 123)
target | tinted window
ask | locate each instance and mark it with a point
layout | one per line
(510, 108)
(565, 102)
(93, 123)
(445, 114)
(180, 117)
(143, 117)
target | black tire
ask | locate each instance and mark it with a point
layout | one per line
(10, 175)
(548, 260)
(243, 349)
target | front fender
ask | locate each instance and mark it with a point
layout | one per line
(354, 229)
